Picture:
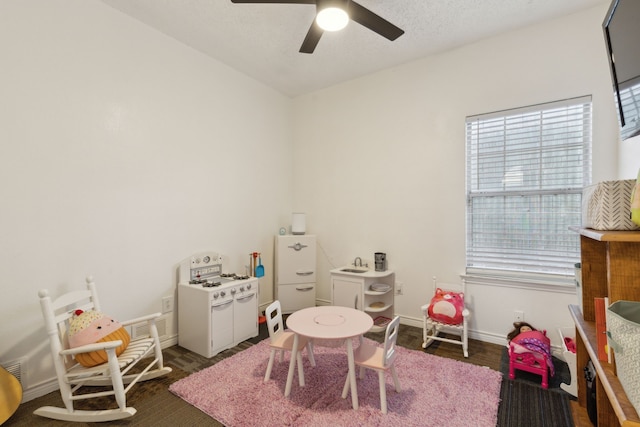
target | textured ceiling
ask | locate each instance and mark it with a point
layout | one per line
(262, 40)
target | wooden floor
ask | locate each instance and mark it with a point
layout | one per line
(580, 416)
(523, 401)
(480, 353)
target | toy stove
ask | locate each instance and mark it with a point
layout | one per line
(216, 310)
(205, 269)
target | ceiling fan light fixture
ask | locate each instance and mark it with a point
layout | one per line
(332, 19)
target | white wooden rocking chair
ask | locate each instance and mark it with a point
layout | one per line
(431, 328)
(115, 373)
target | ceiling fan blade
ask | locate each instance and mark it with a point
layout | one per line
(311, 40)
(276, 1)
(373, 22)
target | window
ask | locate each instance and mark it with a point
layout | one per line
(630, 97)
(526, 169)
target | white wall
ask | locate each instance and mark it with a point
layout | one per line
(380, 161)
(123, 152)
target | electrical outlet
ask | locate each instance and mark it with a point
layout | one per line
(518, 316)
(167, 304)
(399, 288)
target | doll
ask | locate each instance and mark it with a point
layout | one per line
(519, 327)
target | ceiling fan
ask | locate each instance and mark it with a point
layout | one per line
(354, 11)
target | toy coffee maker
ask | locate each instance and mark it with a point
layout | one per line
(381, 261)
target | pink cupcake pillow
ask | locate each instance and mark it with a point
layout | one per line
(89, 327)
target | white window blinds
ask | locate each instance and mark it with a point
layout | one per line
(630, 97)
(526, 169)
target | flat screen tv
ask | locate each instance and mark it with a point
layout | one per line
(622, 35)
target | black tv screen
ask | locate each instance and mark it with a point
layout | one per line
(622, 35)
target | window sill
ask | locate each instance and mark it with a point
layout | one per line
(537, 282)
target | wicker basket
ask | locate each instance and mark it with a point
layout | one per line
(623, 332)
(607, 205)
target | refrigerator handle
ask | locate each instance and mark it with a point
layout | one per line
(298, 246)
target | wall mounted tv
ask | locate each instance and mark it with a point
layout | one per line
(622, 35)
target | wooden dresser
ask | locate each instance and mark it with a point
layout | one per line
(610, 268)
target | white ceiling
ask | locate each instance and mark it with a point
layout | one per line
(262, 40)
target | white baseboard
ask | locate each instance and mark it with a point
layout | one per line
(481, 336)
(476, 335)
(39, 390)
(169, 341)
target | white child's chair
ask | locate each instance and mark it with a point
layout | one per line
(379, 359)
(281, 340)
(114, 373)
(431, 328)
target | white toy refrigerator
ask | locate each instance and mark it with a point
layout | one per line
(295, 272)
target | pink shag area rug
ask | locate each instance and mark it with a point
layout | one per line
(435, 391)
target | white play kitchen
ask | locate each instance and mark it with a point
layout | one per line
(371, 291)
(216, 310)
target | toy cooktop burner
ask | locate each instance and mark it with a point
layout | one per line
(211, 284)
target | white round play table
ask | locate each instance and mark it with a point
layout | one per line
(329, 323)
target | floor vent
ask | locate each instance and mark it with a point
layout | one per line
(140, 330)
(17, 369)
